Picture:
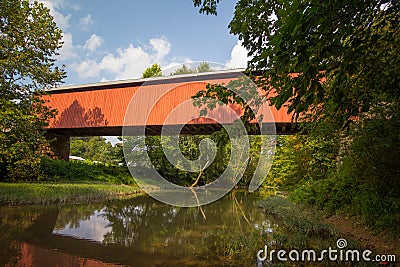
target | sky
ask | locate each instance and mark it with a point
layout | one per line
(117, 40)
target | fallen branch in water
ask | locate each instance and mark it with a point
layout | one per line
(194, 192)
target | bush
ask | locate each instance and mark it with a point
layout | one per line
(301, 159)
(84, 171)
(367, 183)
(355, 171)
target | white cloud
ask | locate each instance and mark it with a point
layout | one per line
(85, 22)
(124, 63)
(130, 62)
(161, 46)
(67, 51)
(113, 63)
(239, 56)
(86, 69)
(93, 43)
(76, 7)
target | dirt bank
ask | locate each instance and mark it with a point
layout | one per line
(379, 243)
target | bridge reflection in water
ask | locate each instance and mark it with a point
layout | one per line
(136, 232)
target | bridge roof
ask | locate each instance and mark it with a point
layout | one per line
(220, 74)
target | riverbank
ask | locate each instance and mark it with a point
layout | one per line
(54, 193)
(378, 242)
(307, 222)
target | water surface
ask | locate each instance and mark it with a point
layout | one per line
(136, 232)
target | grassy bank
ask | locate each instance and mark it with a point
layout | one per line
(70, 182)
(50, 193)
(301, 226)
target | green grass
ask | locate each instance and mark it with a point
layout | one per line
(298, 225)
(70, 182)
(50, 193)
(296, 216)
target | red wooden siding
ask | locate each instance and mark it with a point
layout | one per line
(106, 107)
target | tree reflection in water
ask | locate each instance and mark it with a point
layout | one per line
(148, 225)
(150, 231)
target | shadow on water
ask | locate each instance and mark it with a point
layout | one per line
(136, 232)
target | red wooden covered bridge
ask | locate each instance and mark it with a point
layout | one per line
(99, 109)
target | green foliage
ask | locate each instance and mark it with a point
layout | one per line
(183, 70)
(155, 70)
(362, 179)
(207, 6)
(298, 226)
(367, 183)
(29, 41)
(300, 159)
(296, 218)
(96, 149)
(152, 71)
(323, 59)
(203, 67)
(220, 94)
(189, 147)
(335, 64)
(233, 246)
(346, 43)
(84, 171)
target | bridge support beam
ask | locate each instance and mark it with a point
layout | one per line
(60, 145)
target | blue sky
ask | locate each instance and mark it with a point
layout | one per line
(114, 40)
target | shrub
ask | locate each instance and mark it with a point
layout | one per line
(84, 171)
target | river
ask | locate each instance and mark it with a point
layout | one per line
(136, 232)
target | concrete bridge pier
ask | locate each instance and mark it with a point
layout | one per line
(59, 144)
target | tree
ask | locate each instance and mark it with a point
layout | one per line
(183, 70)
(336, 65)
(333, 59)
(95, 149)
(203, 67)
(29, 40)
(207, 6)
(152, 71)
